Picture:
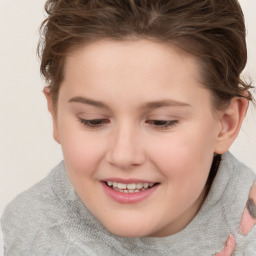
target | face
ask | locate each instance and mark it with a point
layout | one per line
(138, 133)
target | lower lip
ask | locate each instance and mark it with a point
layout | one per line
(128, 198)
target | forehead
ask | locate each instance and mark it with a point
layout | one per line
(142, 53)
(115, 69)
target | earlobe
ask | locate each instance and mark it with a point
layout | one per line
(231, 119)
(53, 113)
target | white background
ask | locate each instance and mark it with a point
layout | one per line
(27, 150)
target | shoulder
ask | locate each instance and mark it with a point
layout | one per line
(231, 187)
(234, 188)
(240, 179)
(49, 219)
(246, 239)
(31, 212)
(240, 204)
(235, 168)
(29, 202)
(241, 188)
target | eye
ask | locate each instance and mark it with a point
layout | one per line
(162, 124)
(94, 123)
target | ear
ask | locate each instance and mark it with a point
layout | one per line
(53, 113)
(231, 119)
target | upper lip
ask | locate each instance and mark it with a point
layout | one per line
(128, 181)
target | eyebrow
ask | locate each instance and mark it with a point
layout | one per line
(147, 106)
(164, 103)
(95, 103)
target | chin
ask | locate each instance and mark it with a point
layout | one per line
(128, 231)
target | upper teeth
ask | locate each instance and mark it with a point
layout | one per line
(130, 186)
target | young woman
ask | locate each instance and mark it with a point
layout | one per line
(146, 99)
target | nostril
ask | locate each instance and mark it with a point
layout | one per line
(125, 150)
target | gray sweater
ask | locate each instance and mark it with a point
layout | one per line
(50, 219)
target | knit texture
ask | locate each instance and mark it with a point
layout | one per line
(50, 219)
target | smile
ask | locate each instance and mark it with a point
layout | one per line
(129, 192)
(129, 188)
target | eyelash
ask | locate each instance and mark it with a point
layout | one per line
(158, 124)
(93, 123)
(162, 124)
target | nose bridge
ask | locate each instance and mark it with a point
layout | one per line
(125, 146)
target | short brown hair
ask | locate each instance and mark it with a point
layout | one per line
(211, 30)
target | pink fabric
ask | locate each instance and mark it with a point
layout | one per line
(229, 247)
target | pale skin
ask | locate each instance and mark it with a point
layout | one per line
(152, 120)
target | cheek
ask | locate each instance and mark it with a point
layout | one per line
(185, 163)
(185, 153)
(82, 151)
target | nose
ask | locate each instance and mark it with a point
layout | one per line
(125, 148)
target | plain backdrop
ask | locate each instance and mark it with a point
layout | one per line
(27, 150)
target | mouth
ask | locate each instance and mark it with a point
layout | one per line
(131, 187)
(129, 191)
